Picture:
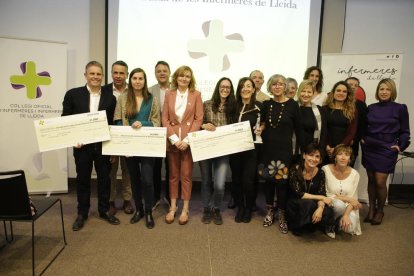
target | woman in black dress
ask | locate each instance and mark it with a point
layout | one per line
(308, 204)
(281, 118)
(341, 117)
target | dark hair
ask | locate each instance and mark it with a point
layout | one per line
(121, 63)
(131, 103)
(319, 85)
(229, 106)
(239, 101)
(161, 62)
(310, 148)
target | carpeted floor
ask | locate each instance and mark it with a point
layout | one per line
(200, 249)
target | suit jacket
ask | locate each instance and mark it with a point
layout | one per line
(76, 101)
(192, 118)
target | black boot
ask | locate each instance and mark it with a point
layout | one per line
(139, 214)
(239, 214)
(149, 220)
(247, 216)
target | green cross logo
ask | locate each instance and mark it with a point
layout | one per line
(30, 79)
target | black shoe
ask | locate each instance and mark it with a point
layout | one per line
(206, 218)
(149, 220)
(111, 219)
(247, 216)
(217, 219)
(79, 223)
(231, 204)
(138, 215)
(297, 231)
(239, 215)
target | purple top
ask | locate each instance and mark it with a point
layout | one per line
(388, 122)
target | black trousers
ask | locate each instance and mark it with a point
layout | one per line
(243, 172)
(85, 158)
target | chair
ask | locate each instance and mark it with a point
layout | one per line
(15, 206)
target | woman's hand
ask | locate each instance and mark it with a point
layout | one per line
(328, 201)
(136, 124)
(355, 204)
(345, 223)
(396, 147)
(259, 130)
(317, 215)
(181, 145)
(209, 127)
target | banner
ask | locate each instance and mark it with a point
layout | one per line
(369, 69)
(32, 86)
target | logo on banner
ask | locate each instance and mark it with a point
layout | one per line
(215, 45)
(31, 80)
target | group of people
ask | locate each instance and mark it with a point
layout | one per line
(309, 143)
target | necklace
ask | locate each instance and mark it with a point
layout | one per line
(278, 117)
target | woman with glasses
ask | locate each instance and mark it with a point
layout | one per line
(218, 111)
(281, 119)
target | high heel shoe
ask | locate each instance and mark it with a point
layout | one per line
(370, 216)
(377, 220)
(169, 218)
(183, 217)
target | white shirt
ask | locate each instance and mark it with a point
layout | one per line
(94, 98)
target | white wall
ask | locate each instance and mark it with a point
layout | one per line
(382, 26)
(52, 20)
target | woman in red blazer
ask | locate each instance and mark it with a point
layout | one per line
(182, 113)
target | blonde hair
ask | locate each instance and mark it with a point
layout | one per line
(180, 71)
(391, 85)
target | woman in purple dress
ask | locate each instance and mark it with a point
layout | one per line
(387, 133)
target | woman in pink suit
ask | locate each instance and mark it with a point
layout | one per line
(182, 113)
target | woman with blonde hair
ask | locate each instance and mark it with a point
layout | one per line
(182, 113)
(387, 133)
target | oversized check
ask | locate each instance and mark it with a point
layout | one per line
(67, 131)
(223, 141)
(144, 141)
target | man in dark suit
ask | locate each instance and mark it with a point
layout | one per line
(90, 98)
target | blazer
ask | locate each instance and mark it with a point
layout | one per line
(76, 101)
(192, 118)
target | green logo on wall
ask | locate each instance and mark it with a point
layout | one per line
(31, 80)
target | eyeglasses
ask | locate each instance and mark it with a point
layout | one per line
(225, 87)
(280, 84)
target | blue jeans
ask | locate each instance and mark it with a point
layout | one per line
(213, 194)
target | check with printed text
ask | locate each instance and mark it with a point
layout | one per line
(224, 140)
(67, 131)
(144, 141)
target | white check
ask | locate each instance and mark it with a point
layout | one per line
(144, 141)
(67, 131)
(223, 141)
